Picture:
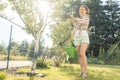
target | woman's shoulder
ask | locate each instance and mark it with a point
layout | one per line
(83, 18)
(86, 17)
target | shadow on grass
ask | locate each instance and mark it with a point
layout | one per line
(92, 73)
(70, 71)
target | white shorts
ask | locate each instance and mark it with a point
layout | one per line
(81, 36)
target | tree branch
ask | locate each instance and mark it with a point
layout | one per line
(12, 22)
(46, 25)
(18, 11)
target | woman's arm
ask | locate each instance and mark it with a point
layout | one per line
(74, 19)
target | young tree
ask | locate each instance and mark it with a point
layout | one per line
(33, 19)
(62, 28)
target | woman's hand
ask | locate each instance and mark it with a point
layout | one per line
(73, 18)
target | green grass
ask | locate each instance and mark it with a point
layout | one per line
(70, 72)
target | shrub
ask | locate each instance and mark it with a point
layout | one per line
(73, 60)
(94, 61)
(41, 63)
(2, 75)
(57, 61)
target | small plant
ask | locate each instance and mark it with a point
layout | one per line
(2, 75)
(41, 62)
(57, 61)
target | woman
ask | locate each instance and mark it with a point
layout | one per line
(81, 38)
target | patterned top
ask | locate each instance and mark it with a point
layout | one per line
(82, 23)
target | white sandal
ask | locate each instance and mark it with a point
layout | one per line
(84, 75)
(81, 73)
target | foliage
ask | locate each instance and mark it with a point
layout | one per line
(113, 54)
(104, 19)
(3, 4)
(96, 21)
(62, 28)
(92, 60)
(111, 28)
(41, 62)
(61, 35)
(2, 75)
(14, 48)
(56, 61)
(3, 49)
(34, 22)
(23, 48)
(31, 49)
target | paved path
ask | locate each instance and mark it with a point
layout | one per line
(3, 64)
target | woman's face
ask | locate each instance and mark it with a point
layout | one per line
(82, 11)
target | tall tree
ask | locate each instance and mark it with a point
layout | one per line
(112, 20)
(97, 17)
(33, 19)
(105, 20)
(62, 28)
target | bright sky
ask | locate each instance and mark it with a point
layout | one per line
(18, 34)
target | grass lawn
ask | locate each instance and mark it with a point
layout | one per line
(70, 72)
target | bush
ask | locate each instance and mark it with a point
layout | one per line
(113, 54)
(56, 61)
(94, 61)
(73, 60)
(41, 63)
(2, 75)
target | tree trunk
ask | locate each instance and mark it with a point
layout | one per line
(35, 54)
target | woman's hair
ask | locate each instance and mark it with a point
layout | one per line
(87, 9)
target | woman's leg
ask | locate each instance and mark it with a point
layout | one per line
(79, 59)
(83, 57)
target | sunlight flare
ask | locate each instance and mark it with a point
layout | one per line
(44, 7)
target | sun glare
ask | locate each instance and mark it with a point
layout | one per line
(44, 7)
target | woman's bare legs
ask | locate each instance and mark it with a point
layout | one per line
(82, 57)
(79, 59)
